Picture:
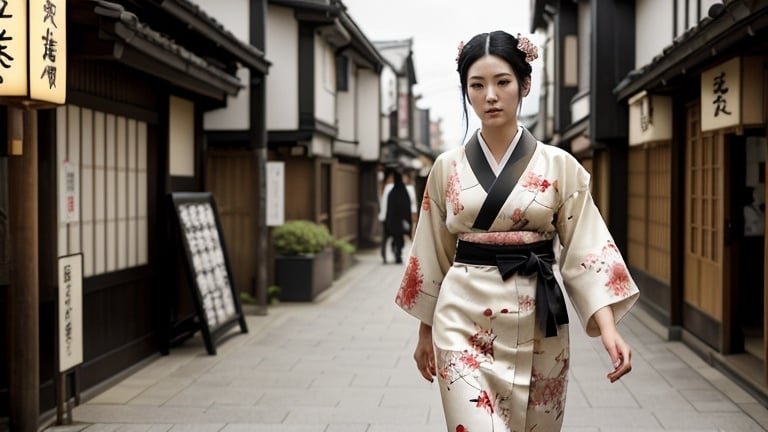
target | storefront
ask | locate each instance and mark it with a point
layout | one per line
(697, 190)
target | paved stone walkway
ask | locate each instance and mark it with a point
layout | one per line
(344, 364)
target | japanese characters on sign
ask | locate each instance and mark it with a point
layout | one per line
(48, 48)
(13, 48)
(721, 95)
(70, 311)
(731, 94)
(33, 50)
(69, 192)
(650, 118)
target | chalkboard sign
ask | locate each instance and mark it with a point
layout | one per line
(216, 300)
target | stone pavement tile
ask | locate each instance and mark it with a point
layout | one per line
(634, 429)
(267, 380)
(109, 427)
(160, 392)
(575, 398)
(372, 380)
(146, 414)
(664, 398)
(203, 395)
(331, 379)
(144, 428)
(682, 377)
(378, 415)
(758, 412)
(394, 398)
(192, 396)
(710, 401)
(727, 422)
(599, 395)
(208, 427)
(74, 427)
(118, 394)
(351, 427)
(255, 427)
(609, 419)
(306, 398)
(407, 428)
(239, 414)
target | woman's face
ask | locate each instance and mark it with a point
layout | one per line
(492, 89)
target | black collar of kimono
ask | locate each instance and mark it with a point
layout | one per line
(498, 188)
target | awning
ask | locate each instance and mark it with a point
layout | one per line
(137, 45)
(738, 24)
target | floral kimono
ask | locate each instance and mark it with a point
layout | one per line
(480, 273)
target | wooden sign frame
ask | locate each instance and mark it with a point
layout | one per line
(210, 276)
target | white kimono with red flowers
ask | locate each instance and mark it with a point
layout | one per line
(496, 370)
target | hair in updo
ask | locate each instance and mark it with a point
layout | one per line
(498, 43)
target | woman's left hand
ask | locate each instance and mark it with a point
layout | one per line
(618, 349)
(620, 353)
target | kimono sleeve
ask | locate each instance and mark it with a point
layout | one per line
(594, 272)
(432, 250)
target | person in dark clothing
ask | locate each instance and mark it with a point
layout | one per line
(397, 219)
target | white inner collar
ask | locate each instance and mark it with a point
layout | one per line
(496, 167)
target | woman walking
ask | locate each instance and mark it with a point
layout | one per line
(493, 320)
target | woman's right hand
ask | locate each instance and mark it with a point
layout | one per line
(425, 353)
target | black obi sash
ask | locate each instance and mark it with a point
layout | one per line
(526, 259)
(498, 188)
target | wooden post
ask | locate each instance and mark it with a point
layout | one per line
(23, 292)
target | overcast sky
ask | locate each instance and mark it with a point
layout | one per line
(437, 27)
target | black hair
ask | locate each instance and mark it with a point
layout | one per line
(498, 43)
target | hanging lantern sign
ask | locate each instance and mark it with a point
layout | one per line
(731, 94)
(650, 118)
(33, 52)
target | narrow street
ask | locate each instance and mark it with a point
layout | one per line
(344, 364)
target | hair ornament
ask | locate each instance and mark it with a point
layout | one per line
(525, 45)
(461, 48)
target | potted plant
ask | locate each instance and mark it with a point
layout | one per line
(303, 259)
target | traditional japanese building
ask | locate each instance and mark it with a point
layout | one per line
(324, 115)
(688, 94)
(140, 75)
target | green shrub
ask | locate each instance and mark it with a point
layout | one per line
(300, 237)
(344, 246)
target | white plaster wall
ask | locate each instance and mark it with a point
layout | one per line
(691, 17)
(237, 114)
(388, 98)
(321, 146)
(388, 90)
(282, 50)
(181, 137)
(325, 82)
(368, 114)
(654, 25)
(346, 106)
(234, 15)
(585, 35)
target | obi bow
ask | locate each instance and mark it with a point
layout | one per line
(550, 304)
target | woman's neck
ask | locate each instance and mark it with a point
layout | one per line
(498, 139)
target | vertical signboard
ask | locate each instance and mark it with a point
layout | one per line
(721, 96)
(732, 94)
(70, 311)
(13, 48)
(33, 50)
(69, 193)
(208, 269)
(47, 50)
(275, 193)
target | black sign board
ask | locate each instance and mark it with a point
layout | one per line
(216, 300)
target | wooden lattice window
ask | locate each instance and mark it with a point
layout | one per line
(109, 155)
